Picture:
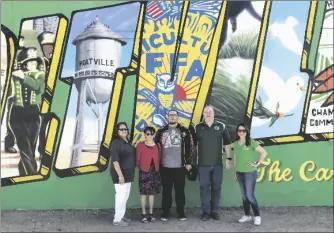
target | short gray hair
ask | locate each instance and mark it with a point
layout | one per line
(209, 106)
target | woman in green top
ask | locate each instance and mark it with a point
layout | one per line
(245, 167)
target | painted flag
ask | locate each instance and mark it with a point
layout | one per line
(156, 9)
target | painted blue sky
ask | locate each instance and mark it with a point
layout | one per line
(121, 19)
(285, 63)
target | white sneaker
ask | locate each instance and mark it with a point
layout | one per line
(257, 221)
(245, 219)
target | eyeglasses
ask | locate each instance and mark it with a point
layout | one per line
(149, 134)
(241, 131)
(123, 129)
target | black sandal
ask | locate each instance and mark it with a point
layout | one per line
(144, 218)
(151, 218)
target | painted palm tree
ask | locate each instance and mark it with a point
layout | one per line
(230, 90)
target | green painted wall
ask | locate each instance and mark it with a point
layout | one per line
(96, 190)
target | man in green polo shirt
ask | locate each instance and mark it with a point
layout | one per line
(211, 135)
(28, 84)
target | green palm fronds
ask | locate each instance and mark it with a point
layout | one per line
(229, 104)
(242, 45)
(230, 90)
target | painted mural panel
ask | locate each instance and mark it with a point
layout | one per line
(26, 152)
(100, 41)
(161, 33)
(174, 70)
(321, 109)
(238, 46)
(280, 96)
(251, 60)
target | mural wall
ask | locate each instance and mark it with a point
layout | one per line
(70, 73)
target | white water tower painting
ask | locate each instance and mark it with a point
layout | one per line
(100, 41)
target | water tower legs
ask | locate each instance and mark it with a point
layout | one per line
(100, 124)
(79, 125)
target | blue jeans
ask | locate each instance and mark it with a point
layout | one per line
(247, 182)
(210, 179)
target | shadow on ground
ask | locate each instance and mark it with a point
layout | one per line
(280, 219)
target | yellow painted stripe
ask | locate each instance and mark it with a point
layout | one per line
(288, 139)
(44, 170)
(26, 178)
(115, 101)
(103, 160)
(45, 106)
(86, 169)
(51, 140)
(258, 59)
(51, 79)
(207, 76)
(309, 32)
(137, 40)
(328, 135)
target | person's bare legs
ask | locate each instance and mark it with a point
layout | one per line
(151, 205)
(143, 203)
(143, 208)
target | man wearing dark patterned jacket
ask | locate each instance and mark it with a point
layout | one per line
(176, 156)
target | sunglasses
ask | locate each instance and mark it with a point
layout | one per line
(123, 129)
(241, 131)
(149, 134)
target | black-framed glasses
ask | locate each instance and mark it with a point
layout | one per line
(123, 129)
(241, 131)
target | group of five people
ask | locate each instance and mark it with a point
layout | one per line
(165, 157)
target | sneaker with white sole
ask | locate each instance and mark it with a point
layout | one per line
(121, 223)
(182, 217)
(125, 219)
(245, 219)
(164, 216)
(257, 221)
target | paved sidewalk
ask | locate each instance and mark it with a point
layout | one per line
(281, 219)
